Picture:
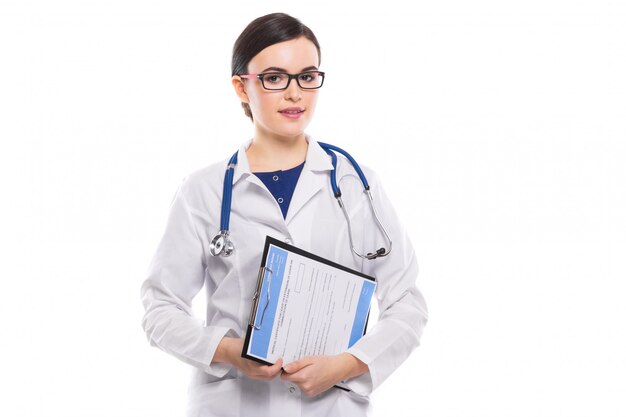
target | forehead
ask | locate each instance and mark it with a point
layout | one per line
(292, 55)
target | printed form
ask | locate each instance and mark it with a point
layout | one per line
(307, 307)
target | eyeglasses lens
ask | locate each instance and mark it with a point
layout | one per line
(280, 81)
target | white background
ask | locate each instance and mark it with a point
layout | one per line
(497, 127)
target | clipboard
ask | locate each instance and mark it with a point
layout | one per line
(275, 297)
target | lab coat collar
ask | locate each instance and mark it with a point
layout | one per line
(316, 160)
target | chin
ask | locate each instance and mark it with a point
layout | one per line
(291, 134)
(291, 131)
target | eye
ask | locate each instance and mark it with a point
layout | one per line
(273, 78)
(308, 76)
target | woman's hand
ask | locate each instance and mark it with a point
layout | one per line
(229, 351)
(315, 374)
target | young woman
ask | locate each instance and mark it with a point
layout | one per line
(280, 188)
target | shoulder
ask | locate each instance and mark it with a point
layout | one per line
(345, 168)
(203, 182)
(206, 174)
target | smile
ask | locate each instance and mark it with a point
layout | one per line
(292, 112)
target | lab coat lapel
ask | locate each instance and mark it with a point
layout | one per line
(314, 177)
(242, 170)
(266, 208)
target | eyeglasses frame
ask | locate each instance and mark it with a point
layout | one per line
(290, 77)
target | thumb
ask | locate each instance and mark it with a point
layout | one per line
(292, 367)
(295, 366)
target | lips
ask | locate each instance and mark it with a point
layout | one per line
(292, 112)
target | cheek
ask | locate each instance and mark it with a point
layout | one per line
(269, 102)
(313, 100)
(262, 104)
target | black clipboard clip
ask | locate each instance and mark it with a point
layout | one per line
(257, 297)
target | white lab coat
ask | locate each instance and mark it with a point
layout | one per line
(182, 266)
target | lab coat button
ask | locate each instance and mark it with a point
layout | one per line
(292, 389)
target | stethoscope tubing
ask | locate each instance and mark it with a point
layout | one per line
(328, 147)
(225, 247)
(227, 193)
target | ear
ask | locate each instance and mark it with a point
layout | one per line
(240, 88)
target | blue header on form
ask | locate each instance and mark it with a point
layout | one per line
(362, 309)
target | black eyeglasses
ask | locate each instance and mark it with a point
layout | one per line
(274, 81)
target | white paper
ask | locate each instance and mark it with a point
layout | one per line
(312, 308)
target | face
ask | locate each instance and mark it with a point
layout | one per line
(280, 114)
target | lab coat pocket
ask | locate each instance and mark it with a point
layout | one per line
(353, 404)
(219, 398)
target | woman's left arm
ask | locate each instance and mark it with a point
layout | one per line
(402, 317)
(402, 309)
(316, 374)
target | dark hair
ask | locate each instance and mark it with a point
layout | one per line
(262, 32)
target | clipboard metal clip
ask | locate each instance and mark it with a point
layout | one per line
(257, 297)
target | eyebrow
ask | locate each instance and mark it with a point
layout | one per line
(276, 69)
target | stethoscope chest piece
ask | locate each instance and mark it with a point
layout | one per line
(221, 245)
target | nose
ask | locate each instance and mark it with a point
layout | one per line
(293, 91)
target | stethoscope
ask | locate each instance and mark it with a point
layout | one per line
(221, 245)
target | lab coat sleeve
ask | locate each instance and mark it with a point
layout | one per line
(402, 308)
(175, 276)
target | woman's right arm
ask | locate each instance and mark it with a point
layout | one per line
(229, 351)
(175, 276)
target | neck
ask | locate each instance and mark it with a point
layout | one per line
(273, 153)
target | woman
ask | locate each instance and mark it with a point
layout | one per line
(281, 189)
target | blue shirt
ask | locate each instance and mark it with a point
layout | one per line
(281, 184)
